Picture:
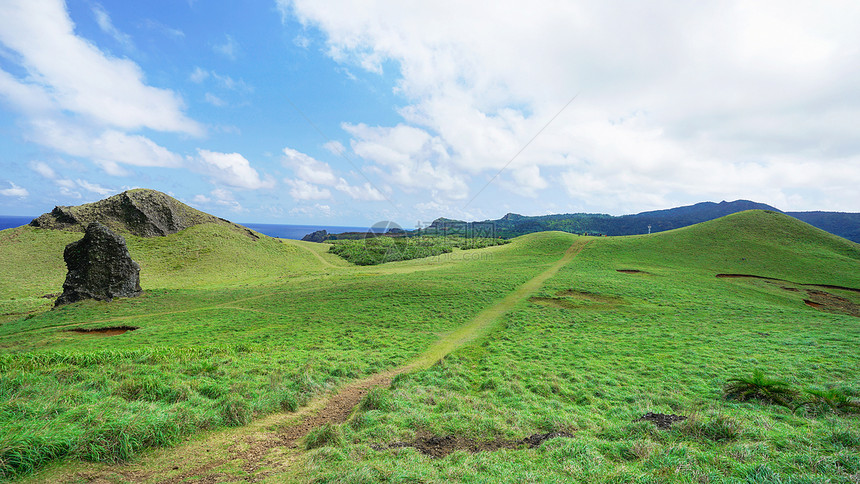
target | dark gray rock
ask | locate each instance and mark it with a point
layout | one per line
(100, 267)
(318, 236)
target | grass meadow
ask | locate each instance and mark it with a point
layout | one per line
(597, 349)
(231, 329)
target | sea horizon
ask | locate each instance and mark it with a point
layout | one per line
(283, 231)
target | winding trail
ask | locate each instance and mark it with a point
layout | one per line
(269, 446)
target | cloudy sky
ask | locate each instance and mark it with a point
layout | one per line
(347, 113)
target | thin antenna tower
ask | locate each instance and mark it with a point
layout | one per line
(649, 229)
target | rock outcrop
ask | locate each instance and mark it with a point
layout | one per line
(100, 267)
(318, 236)
(141, 212)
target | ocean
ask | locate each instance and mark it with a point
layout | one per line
(272, 230)
(9, 221)
(298, 231)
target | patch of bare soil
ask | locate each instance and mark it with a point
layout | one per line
(438, 447)
(743, 276)
(832, 303)
(555, 302)
(816, 298)
(661, 420)
(589, 296)
(112, 331)
(751, 276)
(631, 271)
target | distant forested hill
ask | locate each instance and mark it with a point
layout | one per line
(843, 224)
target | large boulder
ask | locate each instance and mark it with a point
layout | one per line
(100, 267)
(318, 236)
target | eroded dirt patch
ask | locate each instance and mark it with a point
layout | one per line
(832, 303)
(661, 420)
(438, 447)
(816, 298)
(744, 276)
(631, 271)
(589, 296)
(555, 302)
(112, 331)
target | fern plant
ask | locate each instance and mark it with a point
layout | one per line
(762, 388)
(833, 399)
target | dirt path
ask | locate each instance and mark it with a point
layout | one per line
(270, 446)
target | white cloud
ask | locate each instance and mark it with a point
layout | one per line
(222, 197)
(710, 87)
(302, 190)
(93, 187)
(160, 27)
(75, 76)
(335, 147)
(233, 169)
(214, 100)
(316, 210)
(301, 41)
(528, 181)
(198, 75)
(229, 49)
(409, 157)
(14, 191)
(311, 172)
(110, 148)
(363, 192)
(307, 168)
(104, 22)
(68, 187)
(44, 169)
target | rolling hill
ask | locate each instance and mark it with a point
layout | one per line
(580, 337)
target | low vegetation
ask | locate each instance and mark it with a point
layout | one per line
(382, 249)
(588, 355)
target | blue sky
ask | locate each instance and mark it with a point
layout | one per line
(348, 113)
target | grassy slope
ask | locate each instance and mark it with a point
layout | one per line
(597, 350)
(602, 348)
(232, 329)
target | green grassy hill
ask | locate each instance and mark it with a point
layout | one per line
(755, 242)
(205, 255)
(232, 328)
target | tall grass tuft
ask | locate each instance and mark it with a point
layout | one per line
(377, 399)
(326, 435)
